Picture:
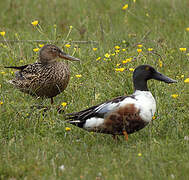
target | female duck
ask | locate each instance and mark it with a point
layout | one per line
(46, 78)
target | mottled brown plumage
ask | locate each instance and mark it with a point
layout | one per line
(45, 78)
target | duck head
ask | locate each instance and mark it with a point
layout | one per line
(143, 73)
(49, 52)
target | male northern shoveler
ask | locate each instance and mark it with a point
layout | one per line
(125, 114)
(45, 78)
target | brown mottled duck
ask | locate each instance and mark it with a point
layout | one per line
(45, 78)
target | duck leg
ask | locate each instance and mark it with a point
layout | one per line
(114, 137)
(125, 134)
(52, 100)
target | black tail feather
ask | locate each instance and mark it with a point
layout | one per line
(17, 67)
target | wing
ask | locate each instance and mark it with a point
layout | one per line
(98, 111)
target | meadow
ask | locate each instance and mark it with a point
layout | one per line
(111, 38)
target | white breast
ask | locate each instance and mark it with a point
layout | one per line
(146, 103)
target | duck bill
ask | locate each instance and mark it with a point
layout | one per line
(161, 77)
(68, 57)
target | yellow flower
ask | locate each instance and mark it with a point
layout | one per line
(64, 104)
(127, 60)
(71, 27)
(139, 154)
(125, 7)
(150, 49)
(35, 23)
(67, 45)
(174, 95)
(117, 47)
(117, 65)
(186, 80)
(94, 49)
(139, 45)
(41, 45)
(117, 51)
(187, 29)
(131, 69)
(3, 72)
(160, 63)
(113, 54)
(2, 33)
(153, 117)
(107, 55)
(36, 49)
(182, 49)
(1, 102)
(78, 75)
(98, 58)
(139, 50)
(123, 50)
(68, 129)
(119, 69)
(182, 76)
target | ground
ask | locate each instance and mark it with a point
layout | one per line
(111, 38)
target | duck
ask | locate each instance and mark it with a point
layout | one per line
(45, 78)
(122, 115)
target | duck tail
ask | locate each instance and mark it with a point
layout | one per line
(17, 67)
(77, 123)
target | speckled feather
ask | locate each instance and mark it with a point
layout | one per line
(43, 80)
(47, 77)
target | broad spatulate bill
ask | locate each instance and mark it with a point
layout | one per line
(125, 114)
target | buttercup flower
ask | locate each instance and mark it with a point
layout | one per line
(36, 49)
(71, 27)
(150, 49)
(131, 69)
(174, 95)
(2, 33)
(98, 58)
(94, 49)
(119, 69)
(160, 63)
(35, 23)
(139, 154)
(68, 129)
(182, 49)
(78, 75)
(64, 104)
(41, 45)
(125, 7)
(117, 51)
(68, 45)
(1, 102)
(139, 45)
(187, 29)
(107, 55)
(186, 80)
(117, 47)
(139, 50)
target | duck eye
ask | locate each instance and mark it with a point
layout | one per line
(147, 68)
(54, 49)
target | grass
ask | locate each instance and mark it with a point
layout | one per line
(34, 145)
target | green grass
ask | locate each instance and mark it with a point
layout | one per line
(34, 145)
